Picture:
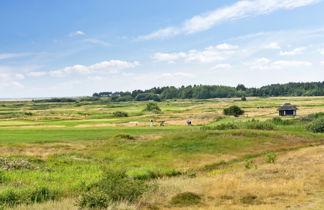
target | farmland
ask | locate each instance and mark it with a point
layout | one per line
(254, 161)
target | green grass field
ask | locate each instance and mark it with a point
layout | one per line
(64, 147)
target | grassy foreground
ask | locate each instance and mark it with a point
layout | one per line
(56, 151)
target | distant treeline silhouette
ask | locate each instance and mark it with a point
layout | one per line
(217, 91)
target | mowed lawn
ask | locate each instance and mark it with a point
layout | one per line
(31, 135)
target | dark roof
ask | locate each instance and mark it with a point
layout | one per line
(286, 107)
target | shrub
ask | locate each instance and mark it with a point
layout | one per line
(9, 198)
(249, 199)
(2, 177)
(316, 115)
(249, 164)
(40, 194)
(120, 114)
(317, 126)
(152, 107)
(114, 186)
(28, 113)
(243, 98)
(257, 125)
(271, 157)
(186, 199)
(234, 111)
(94, 199)
(125, 136)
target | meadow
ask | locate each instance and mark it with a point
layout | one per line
(53, 152)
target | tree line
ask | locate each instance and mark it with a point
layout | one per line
(216, 91)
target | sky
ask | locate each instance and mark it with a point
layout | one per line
(78, 47)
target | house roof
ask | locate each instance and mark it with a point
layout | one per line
(287, 106)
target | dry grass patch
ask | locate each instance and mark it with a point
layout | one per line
(294, 180)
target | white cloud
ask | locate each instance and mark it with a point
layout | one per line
(221, 66)
(98, 42)
(322, 62)
(168, 56)
(208, 55)
(112, 66)
(11, 80)
(76, 33)
(322, 52)
(177, 74)
(272, 45)
(239, 10)
(12, 55)
(295, 51)
(265, 64)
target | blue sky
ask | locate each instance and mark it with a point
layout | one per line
(78, 47)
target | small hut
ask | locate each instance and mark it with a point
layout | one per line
(287, 110)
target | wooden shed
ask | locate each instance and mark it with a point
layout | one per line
(287, 110)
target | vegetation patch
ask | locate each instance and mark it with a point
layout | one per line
(16, 164)
(114, 186)
(120, 114)
(317, 126)
(234, 111)
(125, 136)
(152, 107)
(186, 199)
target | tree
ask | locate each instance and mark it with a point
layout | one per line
(234, 111)
(152, 107)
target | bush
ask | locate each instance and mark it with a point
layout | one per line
(186, 199)
(94, 199)
(120, 114)
(152, 107)
(249, 164)
(234, 111)
(271, 157)
(243, 98)
(125, 136)
(317, 126)
(9, 198)
(40, 194)
(114, 186)
(258, 125)
(2, 177)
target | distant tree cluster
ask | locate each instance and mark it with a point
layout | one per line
(216, 91)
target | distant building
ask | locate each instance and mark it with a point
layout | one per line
(287, 110)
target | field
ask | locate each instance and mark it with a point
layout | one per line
(51, 153)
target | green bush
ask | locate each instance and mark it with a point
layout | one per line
(125, 136)
(120, 114)
(9, 198)
(2, 177)
(114, 186)
(249, 164)
(271, 158)
(40, 194)
(152, 107)
(94, 199)
(234, 111)
(186, 199)
(317, 126)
